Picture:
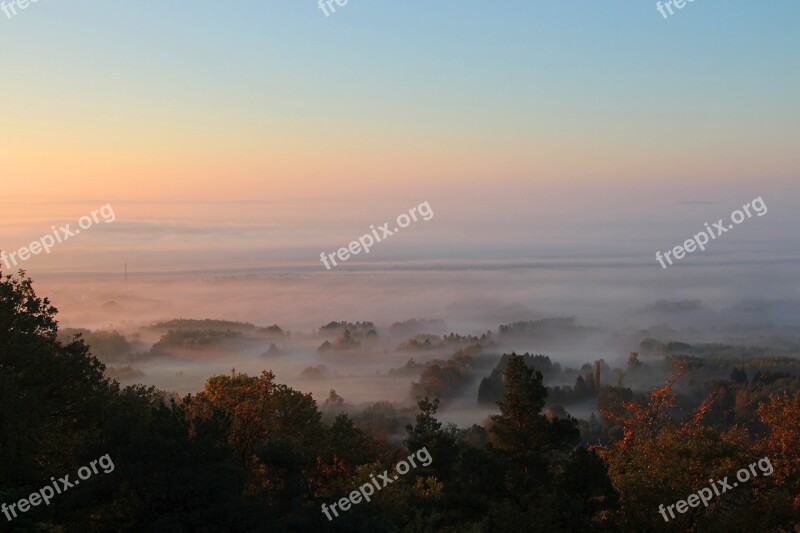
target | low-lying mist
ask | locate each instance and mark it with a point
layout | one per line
(580, 313)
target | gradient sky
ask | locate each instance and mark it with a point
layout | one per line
(267, 116)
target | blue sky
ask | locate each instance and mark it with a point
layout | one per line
(594, 114)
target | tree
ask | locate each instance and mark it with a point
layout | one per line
(520, 429)
(428, 433)
(166, 478)
(50, 393)
(264, 422)
(738, 375)
(781, 415)
(661, 456)
(540, 458)
(334, 400)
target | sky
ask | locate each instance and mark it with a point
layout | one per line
(233, 135)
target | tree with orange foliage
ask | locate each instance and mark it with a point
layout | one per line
(272, 427)
(661, 460)
(780, 493)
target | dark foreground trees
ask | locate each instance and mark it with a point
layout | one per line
(58, 413)
(250, 454)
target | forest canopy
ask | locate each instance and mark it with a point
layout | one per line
(249, 453)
